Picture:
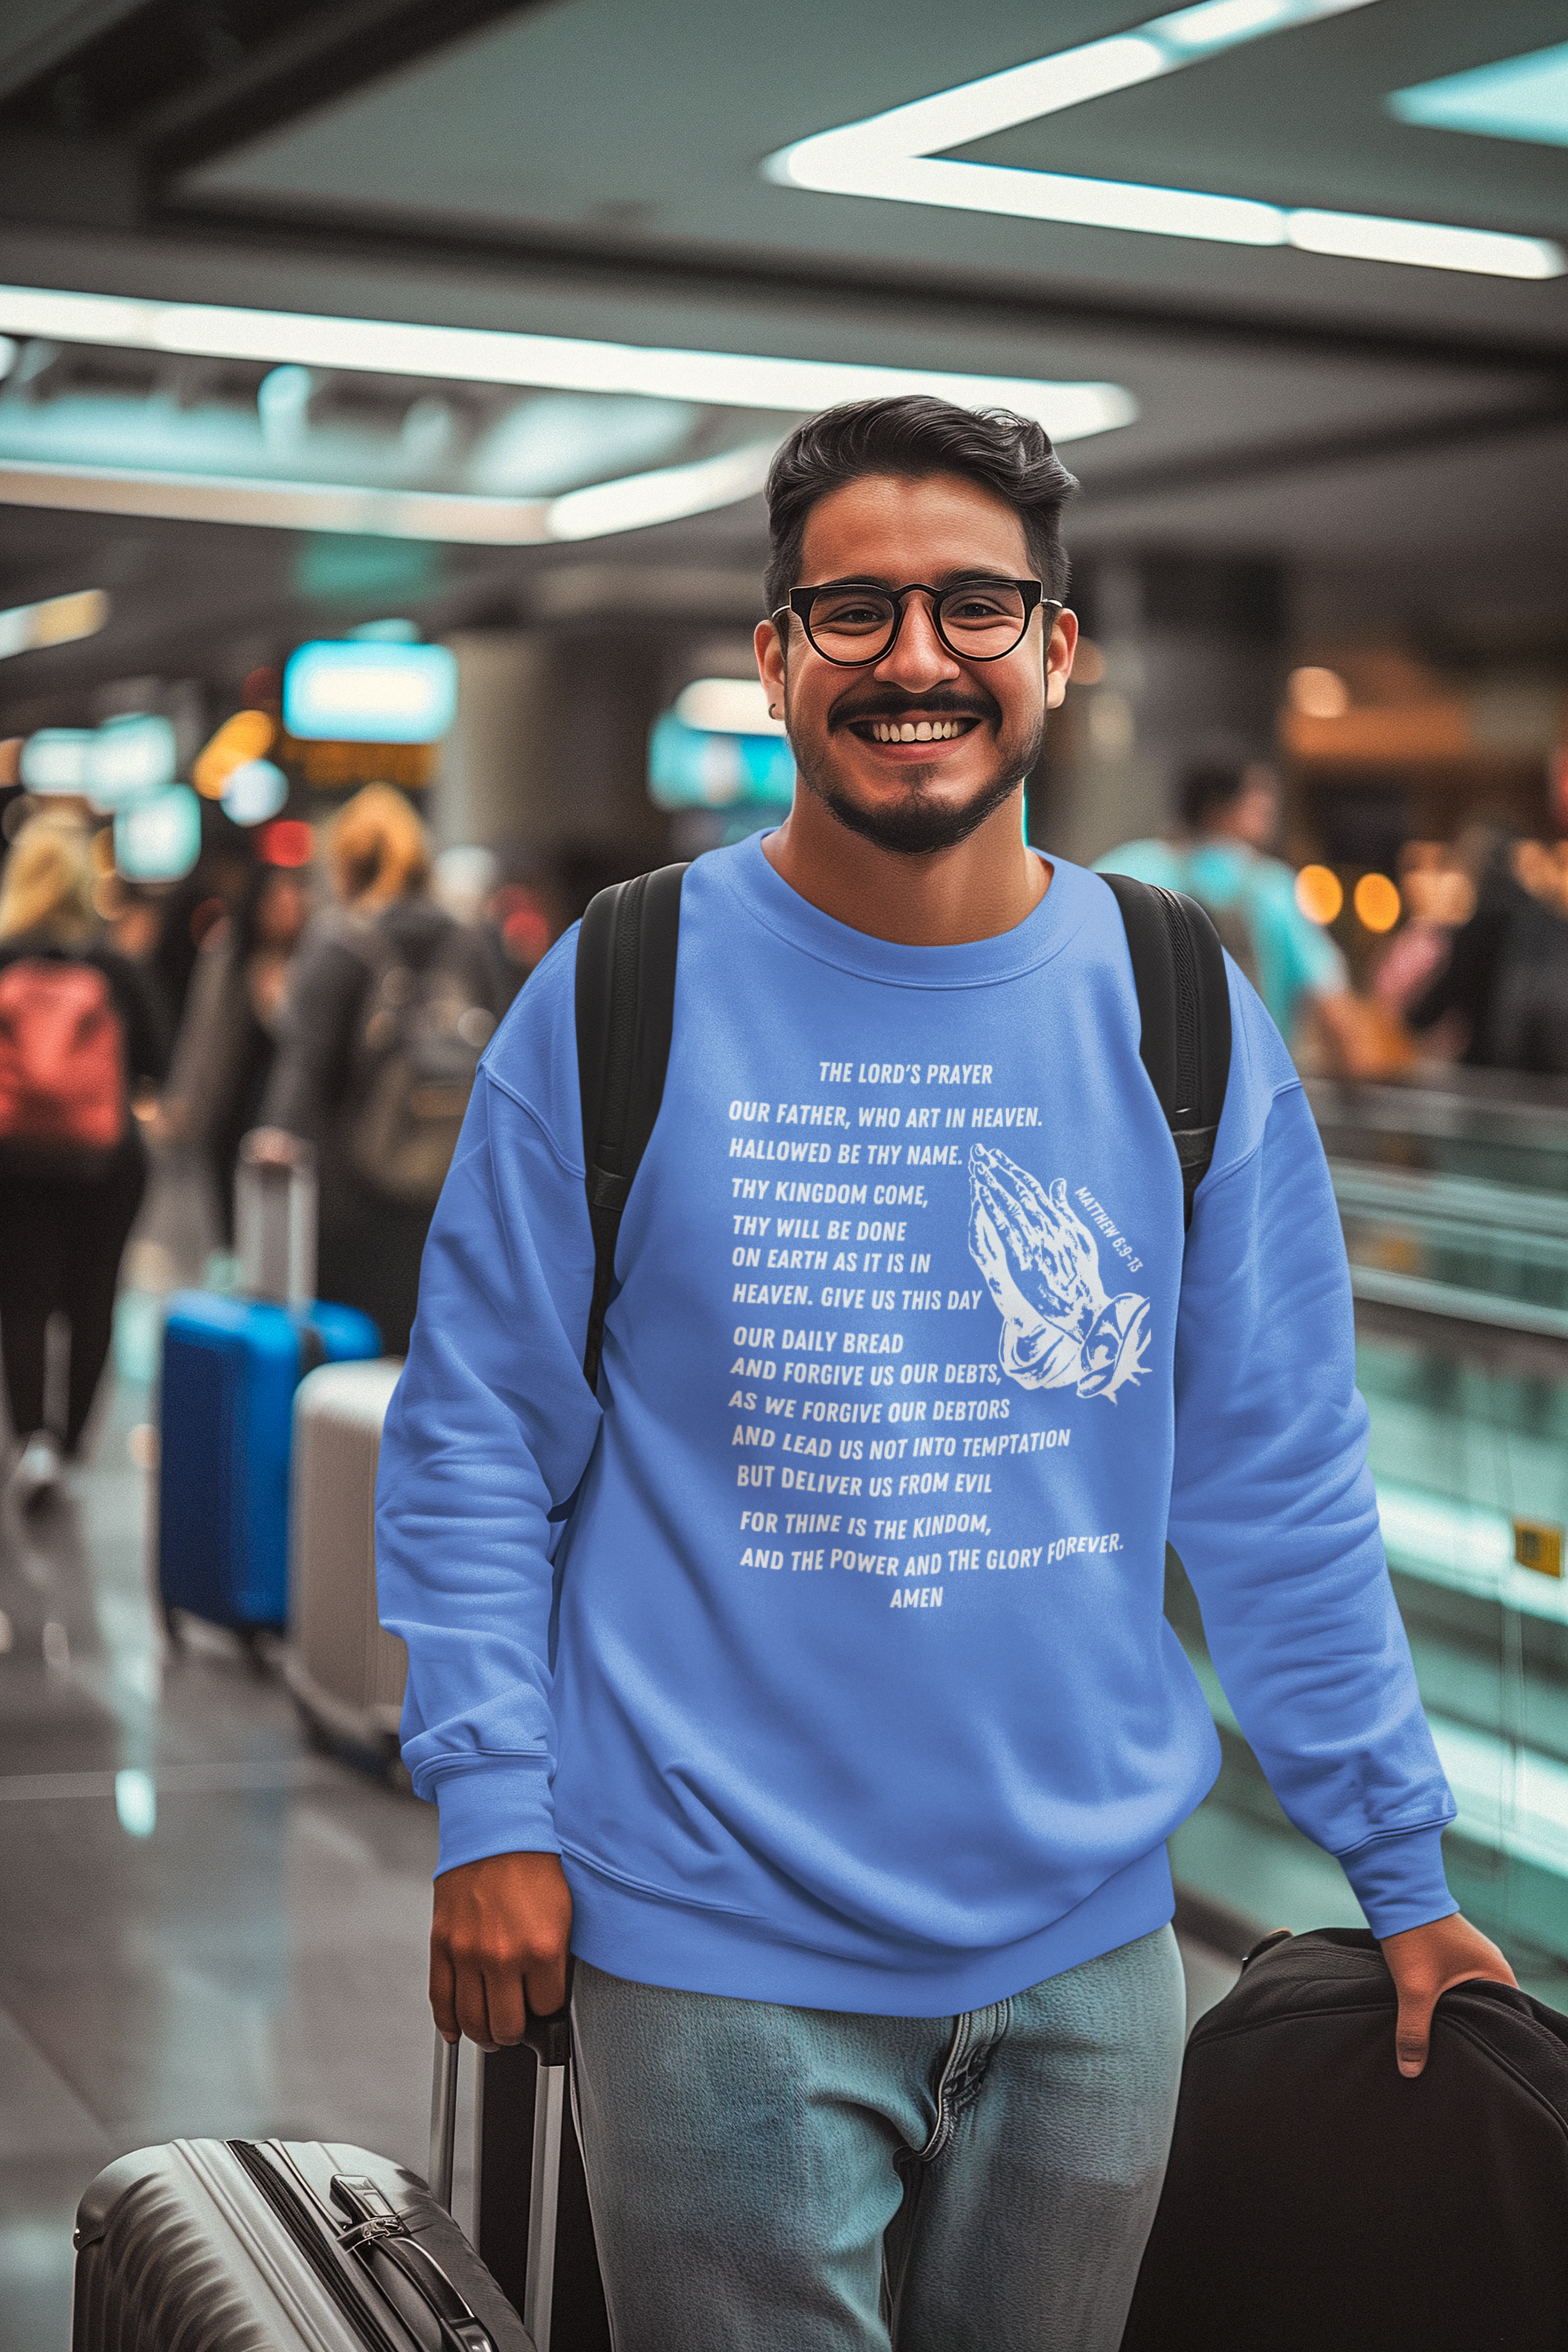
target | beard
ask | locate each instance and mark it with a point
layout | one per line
(918, 823)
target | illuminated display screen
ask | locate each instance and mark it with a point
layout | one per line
(159, 839)
(130, 758)
(359, 693)
(56, 759)
(690, 768)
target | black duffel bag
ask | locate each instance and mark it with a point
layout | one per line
(1317, 2200)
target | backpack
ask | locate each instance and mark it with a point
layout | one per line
(423, 1025)
(62, 1068)
(1317, 2201)
(626, 952)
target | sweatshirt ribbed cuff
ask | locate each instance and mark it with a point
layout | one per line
(1398, 1881)
(496, 1805)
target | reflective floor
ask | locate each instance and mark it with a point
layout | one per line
(206, 1928)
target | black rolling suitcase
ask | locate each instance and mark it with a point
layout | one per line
(213, 2245)
(1317, 2201)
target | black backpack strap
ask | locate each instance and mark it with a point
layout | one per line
(1183, 1003)
(626, 1015)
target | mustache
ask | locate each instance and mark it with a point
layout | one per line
(853, 709)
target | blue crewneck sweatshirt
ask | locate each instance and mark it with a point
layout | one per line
(827, 1645)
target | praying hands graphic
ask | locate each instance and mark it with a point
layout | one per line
(1042, 1268)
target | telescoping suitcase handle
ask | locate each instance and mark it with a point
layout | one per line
(550, 2039)
(275, 1220)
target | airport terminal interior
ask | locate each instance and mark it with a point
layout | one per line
(386, 395)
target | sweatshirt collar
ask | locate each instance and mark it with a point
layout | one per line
(768, 899)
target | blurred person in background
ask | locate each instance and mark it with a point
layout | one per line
(1461, 1011)
(79, 1032)
(529, 910)
(390, 1002)
(1438, 898)
(1526, 1020)
(188, 909)
(1229, 810)
(234, 1012)
(463, 882)
(135, 927)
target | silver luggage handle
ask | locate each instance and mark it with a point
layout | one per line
(275, 1217)
(550, 2039)
(443, 2120)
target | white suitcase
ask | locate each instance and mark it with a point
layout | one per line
(346, 1674)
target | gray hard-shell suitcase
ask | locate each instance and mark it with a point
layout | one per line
(346, 1673)
(211, 2245)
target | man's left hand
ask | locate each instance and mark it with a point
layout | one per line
(1424, 1962)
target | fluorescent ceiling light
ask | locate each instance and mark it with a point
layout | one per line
(455, 518)
(57, 621)
(641, 500)
(633, 503)
(1518, 98)
(1421, 244)
(557, 362)
(896, 156)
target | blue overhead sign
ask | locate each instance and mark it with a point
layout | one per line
(690, 767)
(374, 693)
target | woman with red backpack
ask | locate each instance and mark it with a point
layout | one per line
(79, 1030)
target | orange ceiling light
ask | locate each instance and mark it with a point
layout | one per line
(1318, 693)
(1376, 902)
(248, 735)
(1319, 893)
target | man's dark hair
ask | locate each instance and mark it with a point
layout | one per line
(1212, 782)
(1009, 455)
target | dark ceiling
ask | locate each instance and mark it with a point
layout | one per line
(592, 168)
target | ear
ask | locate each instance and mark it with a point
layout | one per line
(770, 649)
(1059, 651)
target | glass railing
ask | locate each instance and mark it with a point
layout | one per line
(1455, 1207)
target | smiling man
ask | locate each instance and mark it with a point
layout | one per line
(809, 1679)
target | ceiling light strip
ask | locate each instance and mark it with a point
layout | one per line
(637, 502)
(1070, 411)
(1068, 78)
(894, 156)
(57, 621)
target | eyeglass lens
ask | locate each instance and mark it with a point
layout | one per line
(983, 620)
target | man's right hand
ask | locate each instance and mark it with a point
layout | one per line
(498, 1947)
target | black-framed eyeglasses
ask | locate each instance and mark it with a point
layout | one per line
(852, 622)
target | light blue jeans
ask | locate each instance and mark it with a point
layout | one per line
(773, 2179)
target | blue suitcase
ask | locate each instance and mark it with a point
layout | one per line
(230, 1370)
